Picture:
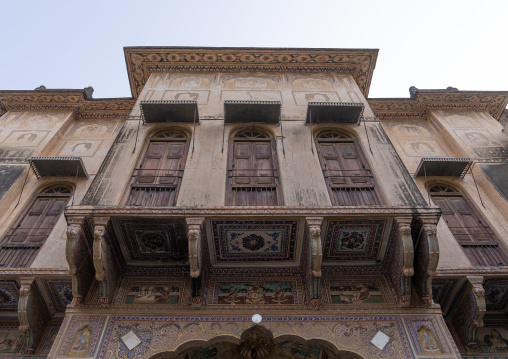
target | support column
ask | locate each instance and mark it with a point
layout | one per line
(426, 257)
(33, 317)
(79, 257)
(315, 249)
(106, 271)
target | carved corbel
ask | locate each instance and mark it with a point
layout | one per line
(404, 226)
(32, 316)
(105, 269)
(314, 224)
(426, 258)
(194, 238)
(469, 313)
(79, 259)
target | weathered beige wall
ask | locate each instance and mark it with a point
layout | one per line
(302, 182)
(51, 134)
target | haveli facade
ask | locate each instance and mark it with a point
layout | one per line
(242, 181)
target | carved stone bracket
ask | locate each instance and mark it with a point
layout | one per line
(426, 258)
(404, 227)
(468, 314)
(32, 315)
(79, 257)
(316, 251)
(105, 269)
(194, 238)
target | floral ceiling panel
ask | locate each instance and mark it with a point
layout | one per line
(359, 240)
(263, 242)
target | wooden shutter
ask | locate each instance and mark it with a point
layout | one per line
(348, 177)
(469, 229)
(157, 179)
(252, 174)
(23, 241)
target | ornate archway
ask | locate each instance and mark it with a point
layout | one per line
(258, 342)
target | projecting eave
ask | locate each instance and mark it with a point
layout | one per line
(78, 100)
(422, 101)
(143, 61)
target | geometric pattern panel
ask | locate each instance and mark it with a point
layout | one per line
(153, 240)
(235, 241)
(353, 240)
(48, 339)
(9, 295)
(60, 292)
(425, 336)
(256, 292)
(359, 290)
(151, 291)
(496, 293)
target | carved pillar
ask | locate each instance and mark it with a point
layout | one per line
(426, 257)
(194, 238)
(315, 259)
(469, 313)
(316, 248)
(79, 257)
(106, 271)
(32, 315)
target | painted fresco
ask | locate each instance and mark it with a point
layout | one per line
(425, 336)
(153, 294)
(256, 292)
(496, 293)
(82, 336)
(11, 339)
(492, 340)
(355, 292)
(48, 338)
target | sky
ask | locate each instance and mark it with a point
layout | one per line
(428, 44)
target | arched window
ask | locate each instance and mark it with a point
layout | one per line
(156, 180)
(253, 177)
(23, 241)
(477, 239)
(348, 177)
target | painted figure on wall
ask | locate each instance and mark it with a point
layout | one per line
(496, 342)
(255, 294)
(81, 343)
(149, 294)
(10, 340)
(355, 293)
(428, 341)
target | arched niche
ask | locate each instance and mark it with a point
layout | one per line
(257, 342)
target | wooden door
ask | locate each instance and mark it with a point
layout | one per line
(475, 236)
(253, 178)
(24, 239)
(348, 177)
(157, 178)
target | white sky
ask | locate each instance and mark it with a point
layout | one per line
(428, 44)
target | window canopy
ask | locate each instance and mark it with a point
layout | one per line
(443, 167)
(170, 111)
(334, 112)
(58, 166)
(252, 111)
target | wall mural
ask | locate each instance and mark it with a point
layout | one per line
(60, 292)
(425, 336)
(82, 336)
(11, 339)
(256, 292)
(492, 340)
(496, 293)
(356, 291)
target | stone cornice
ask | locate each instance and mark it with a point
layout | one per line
(423, 101)
(65, 100)
(142, 61)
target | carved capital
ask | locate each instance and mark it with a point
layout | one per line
(314, 224)
(194, 238)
